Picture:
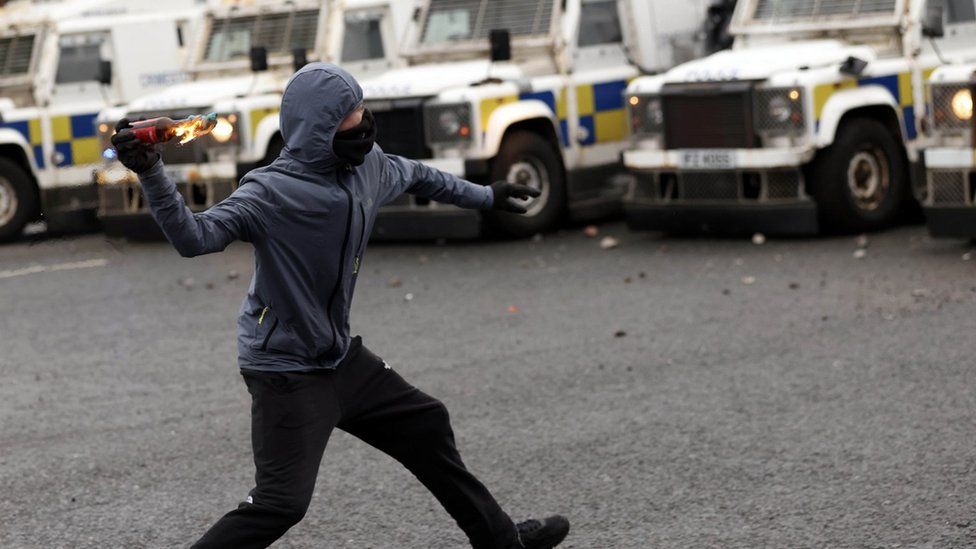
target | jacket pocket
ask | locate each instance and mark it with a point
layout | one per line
(264, 329)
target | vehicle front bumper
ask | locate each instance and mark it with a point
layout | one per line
(950, 205)
(750, 190)
(733, 159)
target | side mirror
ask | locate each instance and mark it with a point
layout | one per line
(933, 24)
(501, 45)
(853, 66)
(299, 58)
(259, 59)
(105, 72)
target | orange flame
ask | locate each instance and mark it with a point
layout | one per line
(194, 127)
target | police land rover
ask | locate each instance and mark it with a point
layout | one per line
(525, 90)
(811, 122)
(240, 64)
(60, 63)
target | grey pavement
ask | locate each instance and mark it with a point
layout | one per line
(668, 393)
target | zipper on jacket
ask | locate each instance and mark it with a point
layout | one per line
(342, 264)
(263, 312)
(267, 336)
(362, 241)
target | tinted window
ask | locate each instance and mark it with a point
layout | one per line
(79, 63)
(960, 11)
(600, 24)
(363, 39)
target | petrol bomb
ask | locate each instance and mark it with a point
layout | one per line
(163, 129)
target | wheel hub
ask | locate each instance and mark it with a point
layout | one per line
(8, 201)
(531, 173)
(868, 179)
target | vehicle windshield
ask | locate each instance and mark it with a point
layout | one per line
(791, 11)
(280, 33)
(468, 20)
(15, 54)
(363, 37)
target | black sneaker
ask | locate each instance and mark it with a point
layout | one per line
(543, 534)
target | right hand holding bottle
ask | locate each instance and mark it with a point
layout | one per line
(132, 153)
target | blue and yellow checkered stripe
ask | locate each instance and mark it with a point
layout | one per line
(31, 130)
(74, 137)
(600, 108)
(899, 85)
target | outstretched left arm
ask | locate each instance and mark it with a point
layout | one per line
(402, 175)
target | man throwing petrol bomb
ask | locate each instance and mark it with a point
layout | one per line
(308, 216)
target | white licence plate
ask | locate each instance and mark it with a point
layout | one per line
(714, 159)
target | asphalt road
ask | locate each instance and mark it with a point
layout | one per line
(668, 393)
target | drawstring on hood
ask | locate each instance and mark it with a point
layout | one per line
(316, 100)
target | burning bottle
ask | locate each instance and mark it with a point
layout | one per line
(161, 130)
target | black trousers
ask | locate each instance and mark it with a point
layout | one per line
(292, 416)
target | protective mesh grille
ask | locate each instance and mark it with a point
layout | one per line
(785, 184)
(232, 38)
(708, 186)
(948, 188)
(942, 115)
(462, 20)
(788, 10)
(15, 54)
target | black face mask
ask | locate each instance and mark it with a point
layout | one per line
(354, 144)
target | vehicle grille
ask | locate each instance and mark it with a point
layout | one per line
(746, 187)
(400, 128)
(713, 117)
(193, 152)
(949, 188)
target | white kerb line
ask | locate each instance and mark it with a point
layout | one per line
(35, 269)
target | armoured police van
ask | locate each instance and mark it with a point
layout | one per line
(813, 120)
(60, 63)
(525, 90)
(240, 64)
(949, 199)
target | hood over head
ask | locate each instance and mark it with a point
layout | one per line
(315, 101)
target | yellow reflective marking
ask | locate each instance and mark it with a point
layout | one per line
(34, 127)
(489, 105)
(257, 115)
(610, 125)
(585, 104)
(561, 104)
(906, 92)
(61, 128)
(264, 312)
(85, 150)
(822, 93)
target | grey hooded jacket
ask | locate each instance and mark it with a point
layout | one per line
(308, 216)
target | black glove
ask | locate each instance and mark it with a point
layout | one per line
(132, 153)
(503, 190)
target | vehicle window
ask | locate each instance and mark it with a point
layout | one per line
(788, 10)
(363, 38)
(15, 54)
(233, 37)
(464, 20)
(960, 11)
(78, 63)
(600, 24)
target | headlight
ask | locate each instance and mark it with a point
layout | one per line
(223, 131)
(226, 129)
(951, 108)
(646, 114)
(780, 111)
(962, 104)
(448, 123)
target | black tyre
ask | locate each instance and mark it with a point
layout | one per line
(18, 199)
(529, 159)
(861, 181)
